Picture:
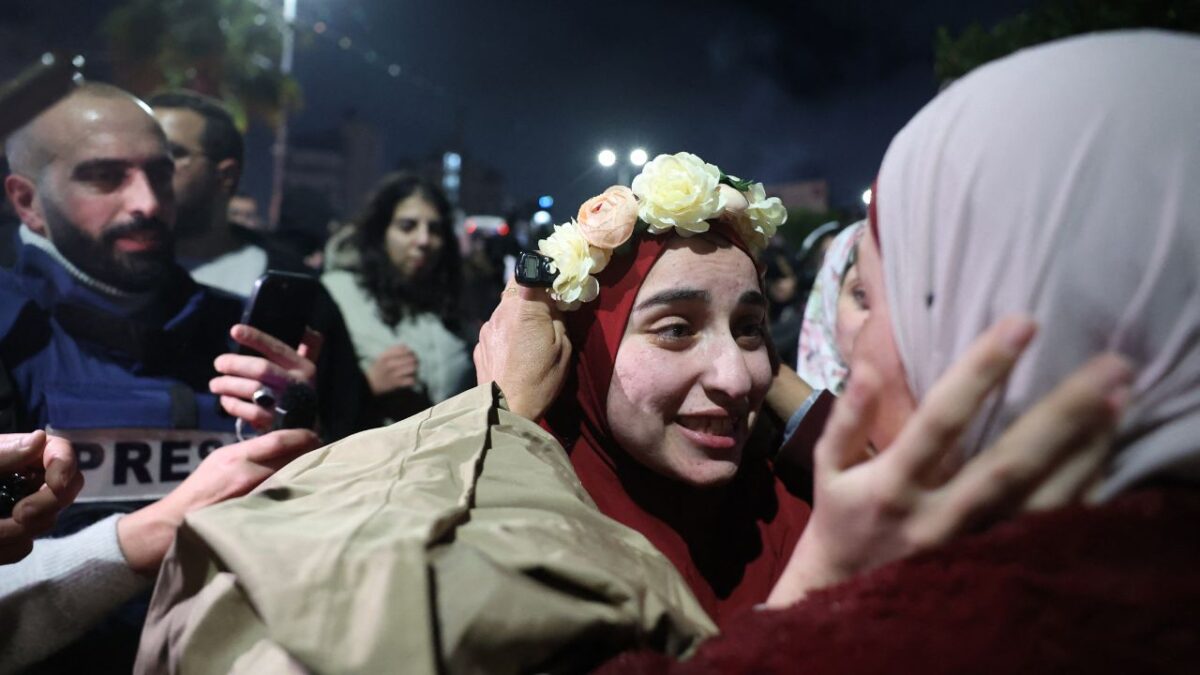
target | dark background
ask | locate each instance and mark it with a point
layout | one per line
(775, 91)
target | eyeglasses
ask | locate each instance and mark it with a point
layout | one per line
(183, 155)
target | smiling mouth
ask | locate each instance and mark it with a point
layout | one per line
(714, 432)
(712, 426)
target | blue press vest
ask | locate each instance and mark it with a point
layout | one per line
(71, 380)
(78, 361)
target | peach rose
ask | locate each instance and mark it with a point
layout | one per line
(607, 220)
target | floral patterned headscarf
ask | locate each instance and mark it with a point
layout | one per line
(819, 363)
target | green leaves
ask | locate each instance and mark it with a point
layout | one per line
(735, 182)
(228, 49)
(956, 55)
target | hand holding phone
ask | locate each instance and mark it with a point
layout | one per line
(262, 383)
(280, 306)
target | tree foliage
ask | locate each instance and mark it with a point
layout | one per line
(955, 56)
(229, 49)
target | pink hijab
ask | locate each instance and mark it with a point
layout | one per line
(1064, 182)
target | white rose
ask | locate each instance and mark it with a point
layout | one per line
(764, 217)
(576, 262)
(678, 191)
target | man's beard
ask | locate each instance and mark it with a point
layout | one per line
(100, 259)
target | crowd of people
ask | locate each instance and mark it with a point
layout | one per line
(1006, 482)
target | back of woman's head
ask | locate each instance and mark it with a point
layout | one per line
(397, 293)
(1061, 183)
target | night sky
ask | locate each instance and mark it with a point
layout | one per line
(773, 91)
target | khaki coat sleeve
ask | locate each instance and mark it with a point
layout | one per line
(458, 540)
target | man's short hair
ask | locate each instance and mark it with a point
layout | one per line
(221, 138)
(25, 154)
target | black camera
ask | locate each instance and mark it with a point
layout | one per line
(535, 270)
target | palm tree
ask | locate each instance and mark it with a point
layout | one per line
(228, 49)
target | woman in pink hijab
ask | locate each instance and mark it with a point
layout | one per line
(1058, 184)
(832, 315)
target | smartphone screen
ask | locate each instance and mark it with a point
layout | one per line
(280, 305)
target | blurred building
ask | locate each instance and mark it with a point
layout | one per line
(342, 164)
(809, 195)
(479, 187)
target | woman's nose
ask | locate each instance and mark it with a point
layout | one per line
(422, 235)
(727, 372)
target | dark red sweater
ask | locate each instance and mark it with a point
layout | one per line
(1112, 589)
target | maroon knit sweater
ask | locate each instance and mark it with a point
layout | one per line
(1112, 589)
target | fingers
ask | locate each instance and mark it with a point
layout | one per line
(239, 387)
(844, 443)
(563, 342)
(254, 414)
(399, 350)
(37, 512)
(1076, 474)
(956, 397)
(537, 298)
(522, 300)
(256, 369)
(272, 349)
(61, 467)
(483, 366)
(1068, 429)
(278, 448)
(482, 372)
(398, 368)
(399, 359)
(310, 345)
(18, 451)
(67, 496)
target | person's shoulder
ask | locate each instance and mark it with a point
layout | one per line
(342, 284)
(338, 276)
(215, 303)
(16, 303)
(279, 256)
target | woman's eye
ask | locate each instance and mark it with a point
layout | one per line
(751, 333)
(860, 298)
(674, 333)
(405, 224)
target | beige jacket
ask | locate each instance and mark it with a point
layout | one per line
(458, 540)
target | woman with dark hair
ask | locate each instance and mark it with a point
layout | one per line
(397, 278)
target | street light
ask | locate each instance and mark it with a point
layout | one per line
(866, 197)
(281, 132)
(608, 159)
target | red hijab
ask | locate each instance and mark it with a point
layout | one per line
(730, 543)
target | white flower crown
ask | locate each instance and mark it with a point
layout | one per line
(679, 192)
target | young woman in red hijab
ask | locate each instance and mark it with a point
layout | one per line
(663, 305)
(683, 477)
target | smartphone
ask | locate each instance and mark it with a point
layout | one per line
(280, 306)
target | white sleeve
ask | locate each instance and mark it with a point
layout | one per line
(60, 590)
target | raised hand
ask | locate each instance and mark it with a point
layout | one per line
(524, 349)
(50, 461)
(913, 496)
(242, 375)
